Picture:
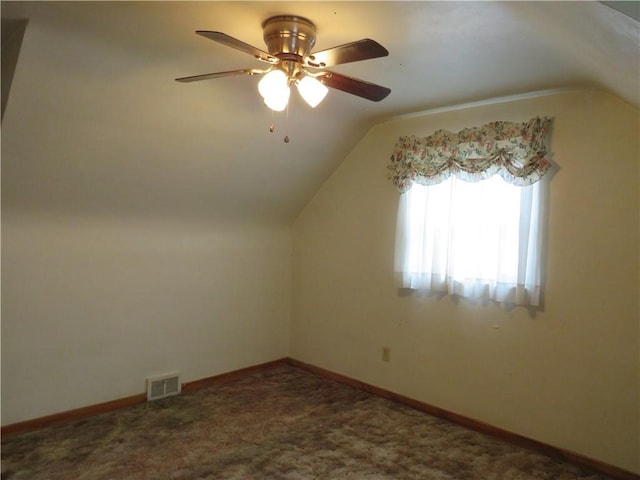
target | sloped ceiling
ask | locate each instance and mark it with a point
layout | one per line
(96, 124)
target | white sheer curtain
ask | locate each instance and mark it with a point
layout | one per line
(470, 216)
(478, 240)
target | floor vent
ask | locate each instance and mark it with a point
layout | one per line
(163, 386)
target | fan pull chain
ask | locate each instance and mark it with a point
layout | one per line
(286, 136)
(272, 128)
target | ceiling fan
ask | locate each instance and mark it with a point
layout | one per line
(289, 41)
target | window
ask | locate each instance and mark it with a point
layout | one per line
(470, 216)
(478, 240)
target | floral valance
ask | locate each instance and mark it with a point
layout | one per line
(515, 151)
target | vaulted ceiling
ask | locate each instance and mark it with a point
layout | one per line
(96, 124)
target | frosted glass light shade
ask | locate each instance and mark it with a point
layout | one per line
(274, 88)
(311, 90)
(277, 99)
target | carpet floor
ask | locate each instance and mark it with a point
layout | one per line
(281, 424)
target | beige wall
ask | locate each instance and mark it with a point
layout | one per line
(92, 306)
(567, 375)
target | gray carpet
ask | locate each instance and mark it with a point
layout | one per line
(280, 424)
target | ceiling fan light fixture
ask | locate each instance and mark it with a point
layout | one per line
(277, 99)
(273, 81)
(289, 40)
(274, 88)
(311, 90)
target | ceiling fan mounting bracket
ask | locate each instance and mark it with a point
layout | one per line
(289, 34)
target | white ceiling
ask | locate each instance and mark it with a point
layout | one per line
(96, 124)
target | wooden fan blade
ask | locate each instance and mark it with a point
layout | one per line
(354, 86)
(350, 52)
(238, 45)
(208, 76)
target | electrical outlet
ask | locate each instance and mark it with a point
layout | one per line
(386, 354)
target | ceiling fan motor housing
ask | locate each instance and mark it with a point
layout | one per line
(289, 37)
